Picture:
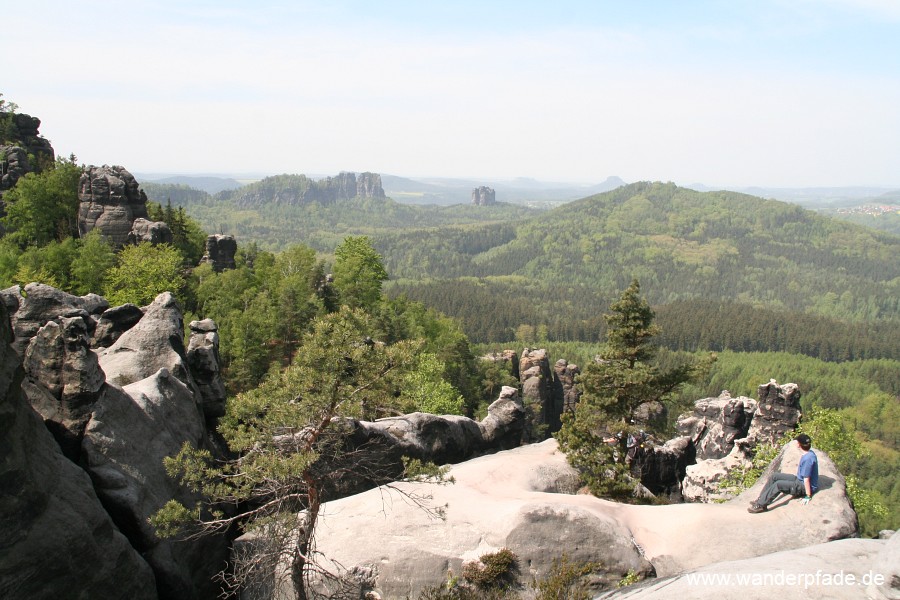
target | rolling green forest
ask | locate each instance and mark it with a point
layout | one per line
(777, 291)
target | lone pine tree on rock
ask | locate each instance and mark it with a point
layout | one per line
(615, 385)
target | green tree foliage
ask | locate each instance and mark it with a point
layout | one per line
(187, 235)
(43, 207)
(358, 273)
(142, 272)
(7, 126)
(614, 386)
(289, 438)
(425, 390)
(91, 263)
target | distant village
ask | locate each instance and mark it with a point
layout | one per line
(873, 210)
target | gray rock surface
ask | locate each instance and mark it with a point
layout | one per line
(131, 431)
(113, 322)
(484, 196)
(716, 423)
(203, 360)
(110, 200)
(565, 378)
(541, 395)
(887, 564)
(809, 573)
(777, 412)
(220, 251)
(512, 499)
(143, 230)
(59, 360)
(56, 540)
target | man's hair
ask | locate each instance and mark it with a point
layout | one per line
(804, 440)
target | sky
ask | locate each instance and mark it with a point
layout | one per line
(778, 93)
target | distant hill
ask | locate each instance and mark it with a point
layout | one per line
(567, 264)
(210, 185)
(448, 191)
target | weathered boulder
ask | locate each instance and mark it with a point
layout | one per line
(39, 304)
(203, 360)
(154, 343)
(56, 540)
(59, 360)
(818, 571)
(13, 166)
(113, 322)
(155, 232)
(220, 251)
(131, 431)
(484, 196)
(21, 140)
(110, 200)
(716, 423)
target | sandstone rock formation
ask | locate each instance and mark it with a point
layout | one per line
(565, 378)
(484, 196)
(111, 201)
(116, 388)
(23, 140)
(302, 190)
(522, 499)
(725, 431)
(541, 394)
(203, 360)
(155, 232)
(817, 571)
(57, 539)
(220, 251)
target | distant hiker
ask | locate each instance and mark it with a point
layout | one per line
(805, 483)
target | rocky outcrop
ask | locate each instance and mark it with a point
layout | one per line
(565, 379)
(56, 539)
(725, 432)
(716, 423)
(116, 388)
(155, 232)
(111, 201)
(777, 412)
(521, 499)
(484, 196)
(203, 361)
(220, 251)
(299, 189)
(541, 394)
(22, 150)
(887, 564)
(509, 358)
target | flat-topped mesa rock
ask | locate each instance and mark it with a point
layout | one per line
(299, 189)
(119, 391)
(484, 196)
(220, 251)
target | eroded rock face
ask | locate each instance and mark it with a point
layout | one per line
(716, 423)
(23, 140)
(220, 251)
(111, 201)
(543, 407)
(777, 412)
(57, 539)
(203, 360)
(565, 376)
(59, 360)
(143, 230)
(113, 322)
(484, 196)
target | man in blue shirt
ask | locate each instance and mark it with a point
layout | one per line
(805, 483)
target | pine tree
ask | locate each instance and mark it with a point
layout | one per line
(615, 385)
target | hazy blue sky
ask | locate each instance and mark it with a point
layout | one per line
(731, 92)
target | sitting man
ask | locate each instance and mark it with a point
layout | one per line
(805, 483)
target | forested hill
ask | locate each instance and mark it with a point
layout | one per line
(562, 268)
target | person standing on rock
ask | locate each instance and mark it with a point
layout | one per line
(805, 483)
